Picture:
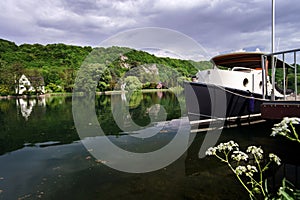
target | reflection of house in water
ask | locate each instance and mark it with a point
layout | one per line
(26, 105)
(123, 96)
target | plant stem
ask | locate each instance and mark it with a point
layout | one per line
(231, 168)
(223, 160)
(260, 176)
(266, 167)
(241, 181)
(295, 133)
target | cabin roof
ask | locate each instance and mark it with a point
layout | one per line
(36, 78)
(242, 59)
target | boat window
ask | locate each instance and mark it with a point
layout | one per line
(245, 82)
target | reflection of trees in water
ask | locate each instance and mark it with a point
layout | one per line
(133, 114)
(54, 121)
(157, 106)
(104, 114)
(134, 99)
(50, 122)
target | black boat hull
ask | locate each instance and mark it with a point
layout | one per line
(205, 101)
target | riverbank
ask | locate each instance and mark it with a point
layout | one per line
(120, 91)
(34, 96)
(113, 92)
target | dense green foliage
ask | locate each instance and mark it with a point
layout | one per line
(132, 83)
(58, 64)
(289, 77)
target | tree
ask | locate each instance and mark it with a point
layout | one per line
(132, 83)
(5, 78)
(17, 69)
(58, 64)
(36, 80)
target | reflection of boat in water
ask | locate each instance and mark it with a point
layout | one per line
(235, 87)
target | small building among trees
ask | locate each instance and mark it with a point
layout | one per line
(30, 85)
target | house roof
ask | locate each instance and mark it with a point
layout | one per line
(36, 78)
(39, 79)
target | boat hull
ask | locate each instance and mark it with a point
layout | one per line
(205, 101)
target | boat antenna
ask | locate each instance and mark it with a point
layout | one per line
(273, 50)
(273, 26)
(278, 43)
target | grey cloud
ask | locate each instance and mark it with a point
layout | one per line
(218, 25)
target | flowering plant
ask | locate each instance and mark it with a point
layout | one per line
(284, 128)
(248, 167)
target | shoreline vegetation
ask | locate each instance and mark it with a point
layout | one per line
(111, 92)
(56, 68)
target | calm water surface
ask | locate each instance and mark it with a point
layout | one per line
(42, 157)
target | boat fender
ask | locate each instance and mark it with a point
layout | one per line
(251, 104)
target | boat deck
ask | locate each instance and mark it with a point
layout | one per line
(274, 110)
(290, 106)
(205, 125)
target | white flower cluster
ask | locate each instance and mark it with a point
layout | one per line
(211, 151)
(274, 158)
(239, 170)
(282, 128)
(254, 183)
(251, 169)
(227, 146)
(247, 170)
(256, 151)
(239, 155)
(222, 147)
(293, 120)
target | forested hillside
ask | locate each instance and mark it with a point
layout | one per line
(58, 65)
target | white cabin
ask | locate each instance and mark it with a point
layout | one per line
(24, 85)
(244, 72)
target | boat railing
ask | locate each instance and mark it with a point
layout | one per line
(285, 56)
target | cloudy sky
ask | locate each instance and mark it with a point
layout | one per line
(218, 25)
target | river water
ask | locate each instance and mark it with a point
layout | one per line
(43, 157)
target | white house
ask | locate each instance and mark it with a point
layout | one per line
(24, 85)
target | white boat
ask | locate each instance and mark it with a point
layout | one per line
(235, 87)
